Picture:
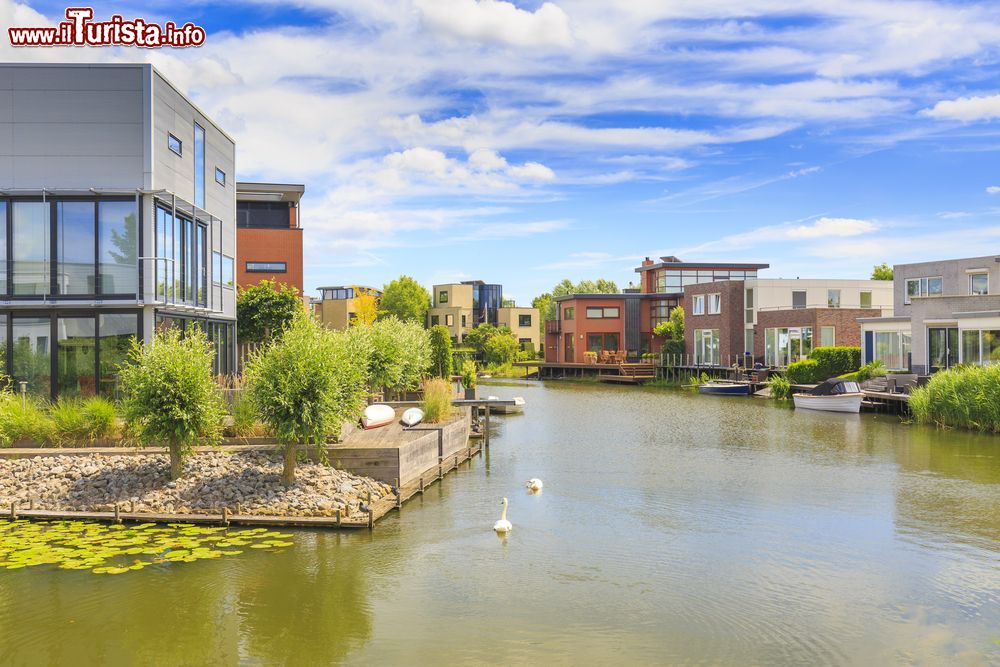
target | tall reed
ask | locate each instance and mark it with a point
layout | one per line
(963, 397)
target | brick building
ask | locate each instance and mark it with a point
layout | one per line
(268, 234)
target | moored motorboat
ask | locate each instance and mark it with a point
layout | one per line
(507, 409)
(834, 395)
(412, 416)
(724, 388)
(377, 415)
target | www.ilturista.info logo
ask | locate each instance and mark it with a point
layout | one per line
(81, 30)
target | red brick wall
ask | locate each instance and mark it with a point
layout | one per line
(847, 331)
(729, 321)
(269, 245)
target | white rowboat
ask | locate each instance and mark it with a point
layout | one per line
(377, 415)
(412, 416)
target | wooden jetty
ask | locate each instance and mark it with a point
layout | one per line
(630, 374)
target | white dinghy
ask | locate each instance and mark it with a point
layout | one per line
(412, 417)
(377, 415)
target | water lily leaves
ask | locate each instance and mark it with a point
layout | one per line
(117, 549)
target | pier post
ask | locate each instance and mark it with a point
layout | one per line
(118, 513)
(225, 516)
(371, 519)
(399, 495)
(31, 503)
(338, 517)
(486, 428)
(131, 506)
(13, 510)
(421, 485)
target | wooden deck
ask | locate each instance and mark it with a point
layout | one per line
(630, 374)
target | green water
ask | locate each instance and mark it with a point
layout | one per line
(673, 529)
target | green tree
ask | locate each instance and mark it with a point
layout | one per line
(478, 337)
(169, 394)
(546, 311)
(406, 299)
(882, 272)
(264, 310)
(440, 351)
(306, 384)
(400, 353)
(501, 349)
(673, 328)
(365, 306)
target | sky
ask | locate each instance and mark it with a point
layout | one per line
(527, 142)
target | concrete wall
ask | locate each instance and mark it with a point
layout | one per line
(776, 294)
(953, 272)
(510, 317)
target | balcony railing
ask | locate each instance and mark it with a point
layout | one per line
(553, 326)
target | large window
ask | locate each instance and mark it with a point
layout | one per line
(979, 284)
(942, 347)
(597, 313)
(76, 233)
(119, 247)
(443, 296)
(607, 342)
(568, 313)
(3, 249)
(892, 348)
(923, 287)
(659, 310)
(833, 298)
(32, 361)
(31, 248)
(199, 166)
(784, 345)
(748, 307)
(706, 347)
(714, 304)
(674, 280)
(76, 359)
(524, 320)
(981, 346)
(115, 331)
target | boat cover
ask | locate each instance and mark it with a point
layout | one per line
(835, 386)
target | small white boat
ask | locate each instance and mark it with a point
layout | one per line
(377, 415)
(507, 409)
(834, 395)
(412, 416)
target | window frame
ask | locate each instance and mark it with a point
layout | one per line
(698, 304)
(521, 317)
(443, 296)
(221, 181)
(171, 139)
(861, 299)
(830, 301)
(715, 298)
(979, 274)
(805, 299)
(266, 267)
(923, 288)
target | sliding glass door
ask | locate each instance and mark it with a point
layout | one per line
(942, 348)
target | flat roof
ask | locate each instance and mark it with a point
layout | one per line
(247, 191)
(670, 264)
(622, 295)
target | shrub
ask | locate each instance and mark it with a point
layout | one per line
(672, 347)
(102, 418)
(804, 371)
(437, 400)
(400, 353)
(963, 396)
(469, 377)
(70, 422)
(835, 361)
(501, 349)
(868, 371)
(245, 422)
(781, 388)
(441, 355)
(27, 422)
(305, 385)
(170, 395)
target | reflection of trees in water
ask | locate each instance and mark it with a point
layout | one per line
(308, 604)
(960, 498)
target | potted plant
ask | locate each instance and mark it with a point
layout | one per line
(590, 357)
(649, 357)
(469, 379)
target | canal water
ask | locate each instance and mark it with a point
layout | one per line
(673, 529)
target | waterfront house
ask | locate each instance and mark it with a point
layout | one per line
(777, 321)
(945, 313)
(523, 323)
(461, 307)
(336, 308)
(118, 200)
(268, 233)
(621, 325)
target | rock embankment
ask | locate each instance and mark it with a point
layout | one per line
(246, 481)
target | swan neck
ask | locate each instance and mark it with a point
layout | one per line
(503, 515)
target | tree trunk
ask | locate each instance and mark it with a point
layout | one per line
(176, 464)
(288, 472)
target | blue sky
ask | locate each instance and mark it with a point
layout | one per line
(526, 142)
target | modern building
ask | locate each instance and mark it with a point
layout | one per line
(523, 322)
(464, 306)
(119, 208)
(945, 313)
(777, 321)
(268, 234)
(625, 322)
(337, 306)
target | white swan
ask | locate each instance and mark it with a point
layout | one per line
(503, 526)
(534, 484)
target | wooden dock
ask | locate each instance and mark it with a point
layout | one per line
(630, 374)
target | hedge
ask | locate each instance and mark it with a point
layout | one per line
(824, 363)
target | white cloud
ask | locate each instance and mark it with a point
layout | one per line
(966, 109)
(993, 190)
(498, 21)
(827, 227)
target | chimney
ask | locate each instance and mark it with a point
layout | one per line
(647, 262)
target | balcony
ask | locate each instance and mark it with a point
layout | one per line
(553, 326)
